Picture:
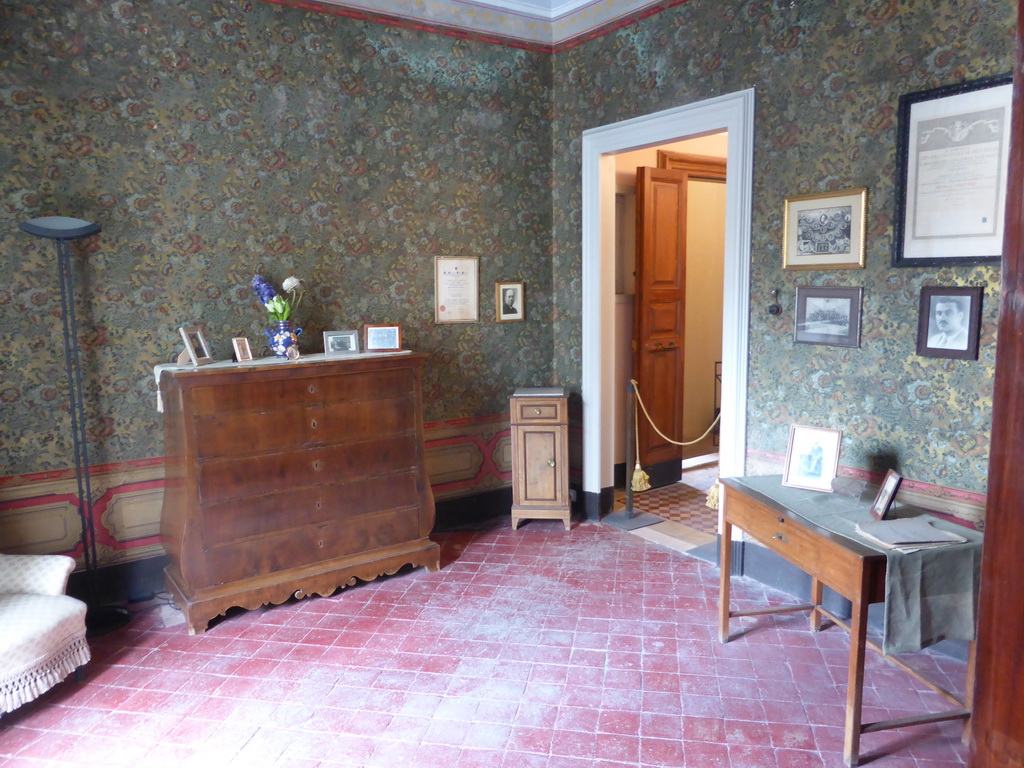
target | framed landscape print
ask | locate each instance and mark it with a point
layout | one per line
(953, 150)
(825, 231)
(828, 316)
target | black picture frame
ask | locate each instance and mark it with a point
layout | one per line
(828, 315)
(936, 221)
(940, 305)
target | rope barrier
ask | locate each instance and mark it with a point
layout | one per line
(641, 481)
(654, 426)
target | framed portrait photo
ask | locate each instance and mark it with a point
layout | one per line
(243, 353)
(886, 495)
(952, 158)
(828, 316)
(509, 302)
(825, 231)
(195, 345)
(340, 343)
(812, 458)
(382, 338)
(949, 321)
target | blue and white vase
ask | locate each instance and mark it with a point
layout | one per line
(282, 336)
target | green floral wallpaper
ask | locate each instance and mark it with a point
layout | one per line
(213, 139)
(828, 77)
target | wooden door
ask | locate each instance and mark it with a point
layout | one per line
(997, 727)
(659, 306)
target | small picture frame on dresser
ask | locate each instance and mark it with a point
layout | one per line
(195, 345)
(240, 345)
(383, 338)
(341, 343)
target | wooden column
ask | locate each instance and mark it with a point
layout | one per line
(997, 732)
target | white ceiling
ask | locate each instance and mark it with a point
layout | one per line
(541, 22)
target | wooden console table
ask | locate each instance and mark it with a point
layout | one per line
(851, 568)
(292, 478)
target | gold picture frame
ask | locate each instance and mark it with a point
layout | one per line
(825, 230)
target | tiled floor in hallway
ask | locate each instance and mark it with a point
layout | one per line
(533, 648)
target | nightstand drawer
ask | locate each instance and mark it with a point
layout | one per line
(538, 410)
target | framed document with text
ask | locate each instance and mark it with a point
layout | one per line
(456, 291)
(952, 161)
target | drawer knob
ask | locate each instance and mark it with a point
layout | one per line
(779, 536)
(316, 465)
(312, 389)
(782, 519)
(313, 424)
(551, 462)
(536, 411)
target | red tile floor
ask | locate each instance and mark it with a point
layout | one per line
(534, 648)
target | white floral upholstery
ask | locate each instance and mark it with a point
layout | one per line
(42, 630)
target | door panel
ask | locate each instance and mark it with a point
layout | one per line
(658, 317)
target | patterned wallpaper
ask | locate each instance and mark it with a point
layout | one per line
(213, 139)
(828, 77)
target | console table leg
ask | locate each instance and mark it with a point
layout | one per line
(855, 679)
(724, 570)
(816, 595)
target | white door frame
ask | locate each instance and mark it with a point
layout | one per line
(734, 113)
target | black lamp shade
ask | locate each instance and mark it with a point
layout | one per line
(60, 227)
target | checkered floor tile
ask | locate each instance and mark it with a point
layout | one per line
(683, 502)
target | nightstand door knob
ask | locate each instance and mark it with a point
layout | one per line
(551, 462)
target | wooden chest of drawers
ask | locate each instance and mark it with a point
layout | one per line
(540, 456)
(292, 478)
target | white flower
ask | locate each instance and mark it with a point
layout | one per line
(291, 284)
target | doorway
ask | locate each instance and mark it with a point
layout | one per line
(734, 114)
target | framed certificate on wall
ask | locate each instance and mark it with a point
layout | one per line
(456, 290)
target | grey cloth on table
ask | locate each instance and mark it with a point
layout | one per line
(930, 594)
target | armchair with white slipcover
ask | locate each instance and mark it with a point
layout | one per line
(42, 629)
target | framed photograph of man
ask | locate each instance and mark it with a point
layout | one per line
(812, 458)
(509, 302)
(828, 316)
(949, 321)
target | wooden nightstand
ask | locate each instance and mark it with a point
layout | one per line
(540, 455)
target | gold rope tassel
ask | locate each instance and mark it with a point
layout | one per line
(641, 480)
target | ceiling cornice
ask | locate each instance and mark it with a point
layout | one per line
(517, 23)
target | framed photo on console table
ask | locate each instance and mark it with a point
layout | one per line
(952, 159)
(886, 494)
(812, 458)
(383, 338)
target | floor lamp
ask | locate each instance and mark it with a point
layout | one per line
(99, 619)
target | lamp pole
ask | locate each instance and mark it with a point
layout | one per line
(99, 619)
